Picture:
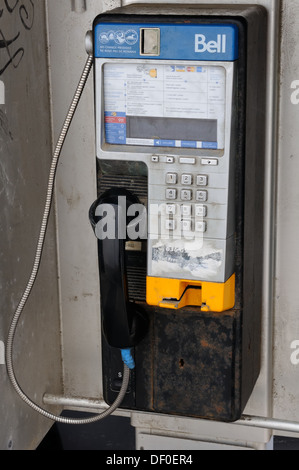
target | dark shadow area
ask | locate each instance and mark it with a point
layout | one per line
(112, 433)
(286, 443)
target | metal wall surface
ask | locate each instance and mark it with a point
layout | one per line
(25, 151)
(286, 334)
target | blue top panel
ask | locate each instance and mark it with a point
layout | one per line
(215, 42)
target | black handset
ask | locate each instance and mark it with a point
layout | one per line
(124, 323)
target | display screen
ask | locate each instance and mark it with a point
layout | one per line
(165, 105)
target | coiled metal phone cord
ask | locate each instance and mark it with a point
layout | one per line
(37, 260)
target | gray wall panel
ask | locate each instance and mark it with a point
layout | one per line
(25, 151)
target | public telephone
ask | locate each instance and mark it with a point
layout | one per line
(179, 121)
(180, 126)
(177, 117)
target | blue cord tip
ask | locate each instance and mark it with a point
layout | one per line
(127, 358)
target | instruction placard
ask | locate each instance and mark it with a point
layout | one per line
(187, 100)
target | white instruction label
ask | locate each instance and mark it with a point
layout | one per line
(166, 91)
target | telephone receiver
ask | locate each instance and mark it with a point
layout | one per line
(124, 323)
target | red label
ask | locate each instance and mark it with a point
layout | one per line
(115, 119)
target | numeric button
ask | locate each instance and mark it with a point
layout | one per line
(201, 211)
(187, 179)
(171, 194)
(186, 211)
(202, 196)
(201, 227)
(186, 195)
(186, 225)
(202, 180)
(171, 209)
(171, 178)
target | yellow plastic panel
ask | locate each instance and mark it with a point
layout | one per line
(178, 293)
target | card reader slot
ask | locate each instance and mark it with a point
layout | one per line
(150, 41)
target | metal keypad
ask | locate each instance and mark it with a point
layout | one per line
(187, 197)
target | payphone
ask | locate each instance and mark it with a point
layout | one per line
(179, 216)
(180, 125)
(183, 106)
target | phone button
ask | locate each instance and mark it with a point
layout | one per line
(202, 180)
(201, 211)
(186, 195)
(171, 209)
(201, 227)
(171, 178)
(171, 194)
(186, 225)
(209, 161)
(187, 179)
(202, 196)
(187, 161)
(186, 211)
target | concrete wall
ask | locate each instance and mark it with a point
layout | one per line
(25, 151)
